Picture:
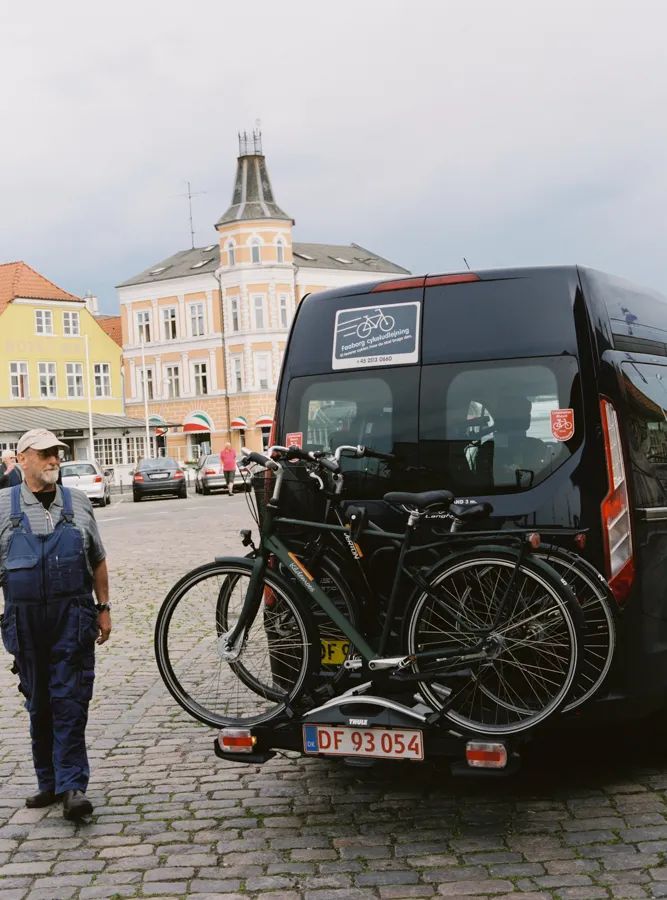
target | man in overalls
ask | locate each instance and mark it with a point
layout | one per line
(51, 561)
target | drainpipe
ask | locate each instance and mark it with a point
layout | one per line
(224, 355)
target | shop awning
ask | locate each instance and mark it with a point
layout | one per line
(198, 421)
(264, 422)
(238, 422)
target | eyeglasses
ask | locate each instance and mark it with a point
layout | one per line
(50, 451)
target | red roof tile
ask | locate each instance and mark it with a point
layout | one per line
(18, 279)
(112, 326)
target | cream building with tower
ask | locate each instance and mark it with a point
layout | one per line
(204, 331)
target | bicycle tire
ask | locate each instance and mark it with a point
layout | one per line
(598, 607)
(276, 662)
(536, 647)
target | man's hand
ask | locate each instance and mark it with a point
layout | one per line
(104, 624)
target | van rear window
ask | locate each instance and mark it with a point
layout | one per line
(500, 426)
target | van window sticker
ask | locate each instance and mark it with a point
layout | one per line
(380, 335)
(562, 424)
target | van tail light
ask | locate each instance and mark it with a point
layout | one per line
(615, 509)
(399, 284)
(210, 472)
(138, 477)
(98, 479)
(179, 473)
(458, 278)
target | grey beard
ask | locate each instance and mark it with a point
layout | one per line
(50, 477)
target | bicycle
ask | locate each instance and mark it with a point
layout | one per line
(340, 553)
(489, 638)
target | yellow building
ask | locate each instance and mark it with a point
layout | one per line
(57, 364)
(204, 330)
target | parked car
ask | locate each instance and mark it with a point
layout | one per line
(210, 477)
(155, 477)
(88, 477)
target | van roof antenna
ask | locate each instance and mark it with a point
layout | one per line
(466, 262)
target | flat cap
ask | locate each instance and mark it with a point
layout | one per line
(38, 439)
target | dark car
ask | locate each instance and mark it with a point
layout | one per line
(156, 477)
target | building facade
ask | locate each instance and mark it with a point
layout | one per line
(204, 331)
(58, 367)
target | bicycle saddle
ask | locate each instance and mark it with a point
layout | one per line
(419, 501)
(467, 511)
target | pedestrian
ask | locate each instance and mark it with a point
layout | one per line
(51, 562)
(10, 473)
(228, 462)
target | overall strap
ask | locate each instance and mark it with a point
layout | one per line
(67, 514)
(16, 517)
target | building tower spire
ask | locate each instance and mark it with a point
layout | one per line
(252, 198)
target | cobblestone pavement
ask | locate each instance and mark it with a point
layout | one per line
(173, 821)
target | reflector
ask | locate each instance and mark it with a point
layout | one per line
(486, 755)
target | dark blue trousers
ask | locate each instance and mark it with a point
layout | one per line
(54, 647)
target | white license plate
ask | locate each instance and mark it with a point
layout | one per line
(382, 743)
(160, 475)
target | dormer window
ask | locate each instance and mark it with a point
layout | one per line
(255, 253)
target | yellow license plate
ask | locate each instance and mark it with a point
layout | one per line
(334, 653)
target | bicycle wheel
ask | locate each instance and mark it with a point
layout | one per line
(273, 667)
(531, 661)
(599, 633)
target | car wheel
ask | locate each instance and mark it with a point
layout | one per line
(205, 490)
(183, 495)
(107, 499)
(136, 498)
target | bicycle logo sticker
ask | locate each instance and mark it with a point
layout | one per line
(562, 424)
(376, 336)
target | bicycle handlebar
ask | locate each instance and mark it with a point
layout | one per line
(259, 458)
(359, 451)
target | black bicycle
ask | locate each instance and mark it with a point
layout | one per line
(489, 637)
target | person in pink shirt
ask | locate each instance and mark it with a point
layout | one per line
(228, 460)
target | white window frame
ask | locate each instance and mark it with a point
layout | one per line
(234, 314)
(200, 378)
(259, 305)
(255, 251)
(44, 321)
(198, 319)
(262, 361)
(237, 373)
(48, 380)
(230, 247)
(280, 250)
(169, 323)
(172, 380)
(283, 307)
(71, 323)
(19, 384)
(144, 325)
(149, 383)
(75, 384)
(102, 377)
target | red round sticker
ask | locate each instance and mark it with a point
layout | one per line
(562, 424)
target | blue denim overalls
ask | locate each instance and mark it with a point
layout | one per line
(49, 626)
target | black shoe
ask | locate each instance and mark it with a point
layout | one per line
(76, 805)
(41, 799)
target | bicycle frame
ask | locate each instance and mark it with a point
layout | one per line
(272, 545)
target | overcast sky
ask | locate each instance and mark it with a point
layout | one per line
(518, 133)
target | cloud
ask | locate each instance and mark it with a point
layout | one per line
(511, 133)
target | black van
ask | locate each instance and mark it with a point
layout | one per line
(540, 390)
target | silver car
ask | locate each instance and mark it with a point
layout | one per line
(89, 478)
(209, 475)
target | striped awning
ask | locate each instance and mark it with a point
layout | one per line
(198, 421)
(157, 420)
(239, 422)
(264, 421)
